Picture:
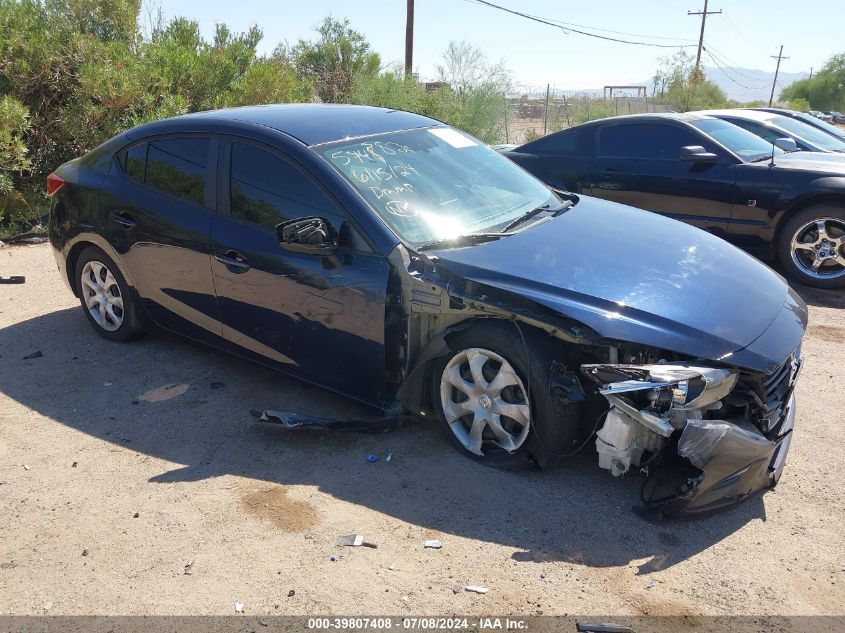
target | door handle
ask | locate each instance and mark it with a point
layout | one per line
(233, 260)
(123, 219)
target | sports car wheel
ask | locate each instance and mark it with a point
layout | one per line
(813, 246)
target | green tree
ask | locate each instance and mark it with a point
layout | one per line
(681, 86)
(825, 91)
(334, 60)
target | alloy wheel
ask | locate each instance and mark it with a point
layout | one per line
(818, 248)
(102, 296)
(484, 401)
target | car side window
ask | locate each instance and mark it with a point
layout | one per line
(267, 190)
(135, 162)
(176, 166)
(646, 141)
(572, 142)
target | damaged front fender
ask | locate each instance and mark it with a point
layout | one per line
(708, 418)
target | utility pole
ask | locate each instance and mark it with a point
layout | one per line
(703, 15)
(811, 72)
(409, 39)
(779, 57)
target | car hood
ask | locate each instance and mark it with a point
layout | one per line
(831, 163)
(635, 276)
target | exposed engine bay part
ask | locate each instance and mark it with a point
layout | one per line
(719, 430)
(622, 440)
(291, 421)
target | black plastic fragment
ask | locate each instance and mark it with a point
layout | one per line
(293, 421)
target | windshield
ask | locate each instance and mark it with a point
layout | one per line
(749, 147)
(436, 183)
(809, 133)
(838, 132)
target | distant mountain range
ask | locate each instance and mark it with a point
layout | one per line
(745, 84)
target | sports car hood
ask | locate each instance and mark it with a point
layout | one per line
(827, 163)
(635, 276)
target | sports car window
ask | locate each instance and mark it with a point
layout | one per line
(743, 143)
(809, 133)
(572, 142)
(267, 190)
(649, 141)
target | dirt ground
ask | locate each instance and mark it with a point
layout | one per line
(133, 480)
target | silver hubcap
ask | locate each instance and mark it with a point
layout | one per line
(817, 248)
(102, 295)
(484, 401)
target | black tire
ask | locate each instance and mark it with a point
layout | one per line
(553, 426)
(835, 215)
(129, 327)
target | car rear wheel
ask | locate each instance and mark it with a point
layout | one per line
(812, 246)
(105, 296)
(492, 396)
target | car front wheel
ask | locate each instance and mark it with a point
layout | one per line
(493, 396)
(812, 246)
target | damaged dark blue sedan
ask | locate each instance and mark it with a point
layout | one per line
(398, 261)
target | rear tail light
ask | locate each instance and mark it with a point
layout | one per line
(54, 183)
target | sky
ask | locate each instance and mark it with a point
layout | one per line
(745, 35)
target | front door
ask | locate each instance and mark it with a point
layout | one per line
(318, 317)
(657, 180)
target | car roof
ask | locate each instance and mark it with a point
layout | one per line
(650, 116)
(311, 123)
(742, 113)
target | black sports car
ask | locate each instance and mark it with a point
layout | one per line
(712, 174)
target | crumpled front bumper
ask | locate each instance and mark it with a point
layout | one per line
(735, 463)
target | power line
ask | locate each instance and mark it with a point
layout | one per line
(725, 72)
(567, 29)
(719, 57)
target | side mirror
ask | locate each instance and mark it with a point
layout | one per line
(697, 154)
(786, 144)
(307, 235)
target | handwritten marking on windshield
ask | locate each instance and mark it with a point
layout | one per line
(401, 208)
(380, 174)
(369, 152)
(398, 190)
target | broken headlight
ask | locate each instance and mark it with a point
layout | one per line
(652, 394)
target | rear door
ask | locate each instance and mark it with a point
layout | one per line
(639, 164)
(158, 205)
(320, 318)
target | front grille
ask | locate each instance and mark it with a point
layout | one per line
(771, 394)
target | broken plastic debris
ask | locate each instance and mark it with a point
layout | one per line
(37, 354)
(433, 544)
(333, 558)
(25, 467)
(239, 607)
(351, 540)
(107, 384)
(372, 458)
(476, 589)
(14, 279)
(189, 568)
(290, 420)
(389, 457)
(651, 585)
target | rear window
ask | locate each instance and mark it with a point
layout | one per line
(572, 142)
(651, 141)
(176, 166)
